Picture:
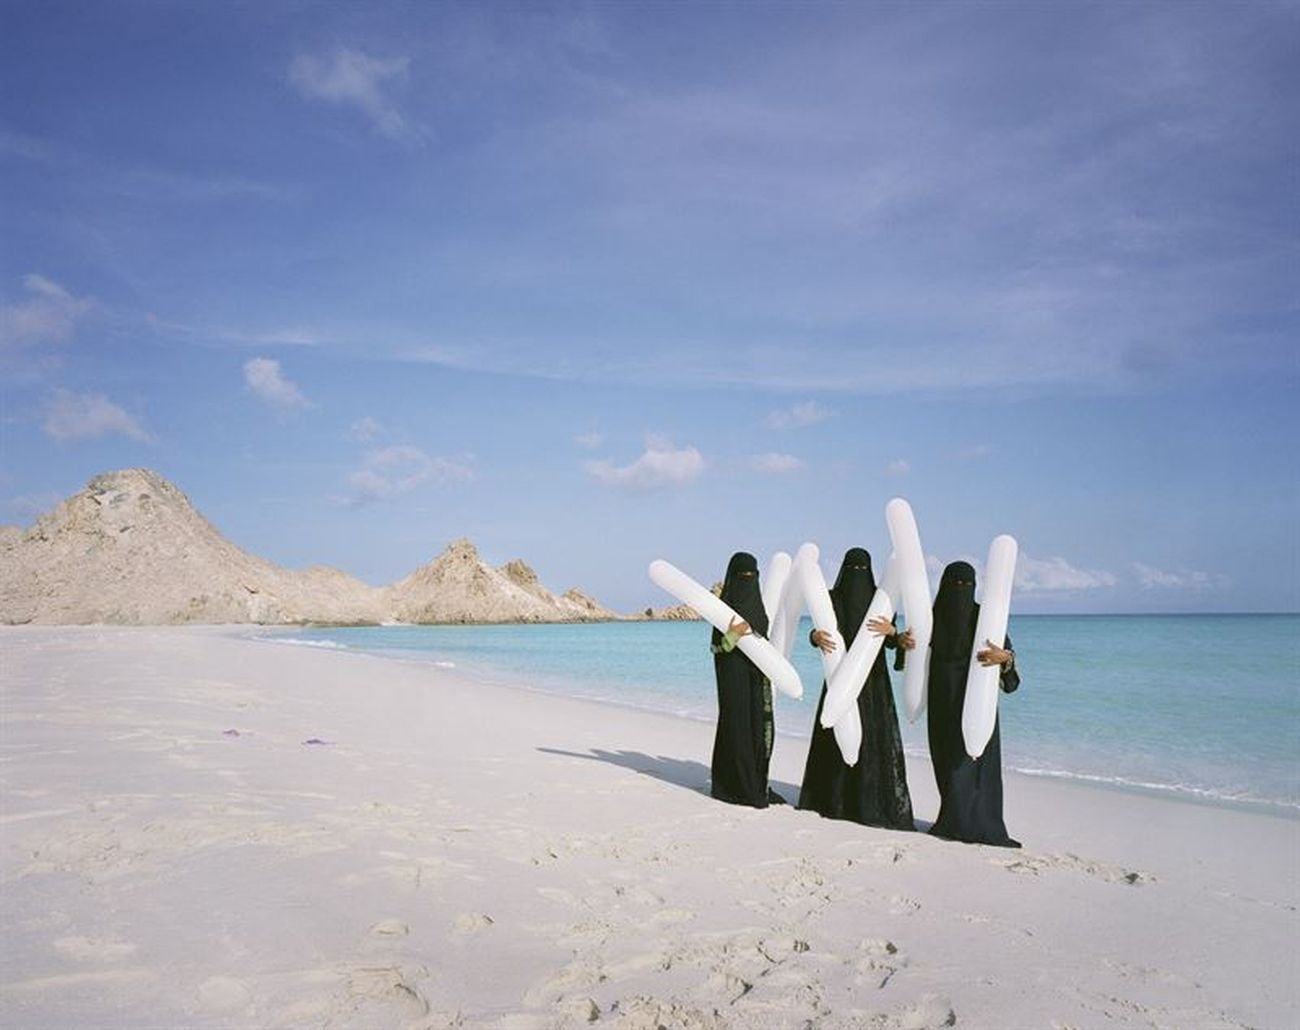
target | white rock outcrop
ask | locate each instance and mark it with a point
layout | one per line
(131, 548)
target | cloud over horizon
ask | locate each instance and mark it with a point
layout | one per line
(660, 465)
(86, 416)
(264, 377)
(355, 79)
(389, 472)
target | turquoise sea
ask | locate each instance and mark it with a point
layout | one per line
(1202, 707)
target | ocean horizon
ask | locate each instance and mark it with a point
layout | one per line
(1198, 707)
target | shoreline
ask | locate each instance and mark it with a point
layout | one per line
(389, 844)
(499, 676)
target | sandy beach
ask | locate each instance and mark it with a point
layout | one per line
(202, 829)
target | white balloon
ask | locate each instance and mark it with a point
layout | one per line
(789, 609)
(979, 711)
(774, 580)
(917, 605)
(769, 660)
(818, 599)
(848, 735)
(846, 683)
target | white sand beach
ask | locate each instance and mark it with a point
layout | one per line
(177, 852)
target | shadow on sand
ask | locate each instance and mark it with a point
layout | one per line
(677, 771)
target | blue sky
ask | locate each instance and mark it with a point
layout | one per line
(596, 284)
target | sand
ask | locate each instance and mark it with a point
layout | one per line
(176, 851)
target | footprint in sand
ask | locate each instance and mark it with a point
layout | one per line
(929, 1012)
(390, 928)
(901, 906)
(1033, 865)
(224, 995)
(879, 962)
(94, 949)
(472, 922)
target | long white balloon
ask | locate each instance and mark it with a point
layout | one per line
(774, 580)
(979, 712)
(818, 599)
(846, 683)
(769, 660)
(786, 622)
(914, 586)
(848, 735)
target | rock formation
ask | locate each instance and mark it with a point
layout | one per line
(131, 548)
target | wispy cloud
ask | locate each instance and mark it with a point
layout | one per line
(50, 314)
(901, 467)
(1152, 578)
(264, 377)
(1048, 575)
(660, 465)
(976, 452)
(283, 336)
(85, 416)
(805, 414)
(356, 79)
(389, 472)
(775, 463)
(589, 441)
(364, 430)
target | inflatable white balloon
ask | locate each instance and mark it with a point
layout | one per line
(979, 712)
(786, 622)
(848, 735)
(914, 585)
(818, 599)
(774, 580)
(845, 684)
(769, 660)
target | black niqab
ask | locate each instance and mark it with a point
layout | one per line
(741, 591)
(851, 595)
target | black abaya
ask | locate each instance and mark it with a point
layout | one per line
(742, 744)
(970, 789)
(874, 791)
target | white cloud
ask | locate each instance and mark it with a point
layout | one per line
(1045, 575)
(660, 465)
(806, 414)
(392, 471)
(1157, 579)
(364, 430)
(775, 463)
(355, 79)
(50, 314)
(901, 467)
(589, 441)
(84, 416)
(265, 379)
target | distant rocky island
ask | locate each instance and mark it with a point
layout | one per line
(132, 549)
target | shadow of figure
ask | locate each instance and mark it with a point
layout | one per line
(677, 771)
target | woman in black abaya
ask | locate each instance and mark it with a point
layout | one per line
(874, 791)
(743, 742)
(970, 789)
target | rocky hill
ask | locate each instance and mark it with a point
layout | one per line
(131, 548)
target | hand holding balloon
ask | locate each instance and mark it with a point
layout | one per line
(738, 628)
(994, 655)
(881, 626)
(823, 641)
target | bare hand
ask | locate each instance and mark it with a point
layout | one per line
(993, 655)
(823, 640)
(881, 626)
(739, 627)
(906, 641)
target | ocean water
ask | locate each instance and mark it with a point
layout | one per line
(1202, 707)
